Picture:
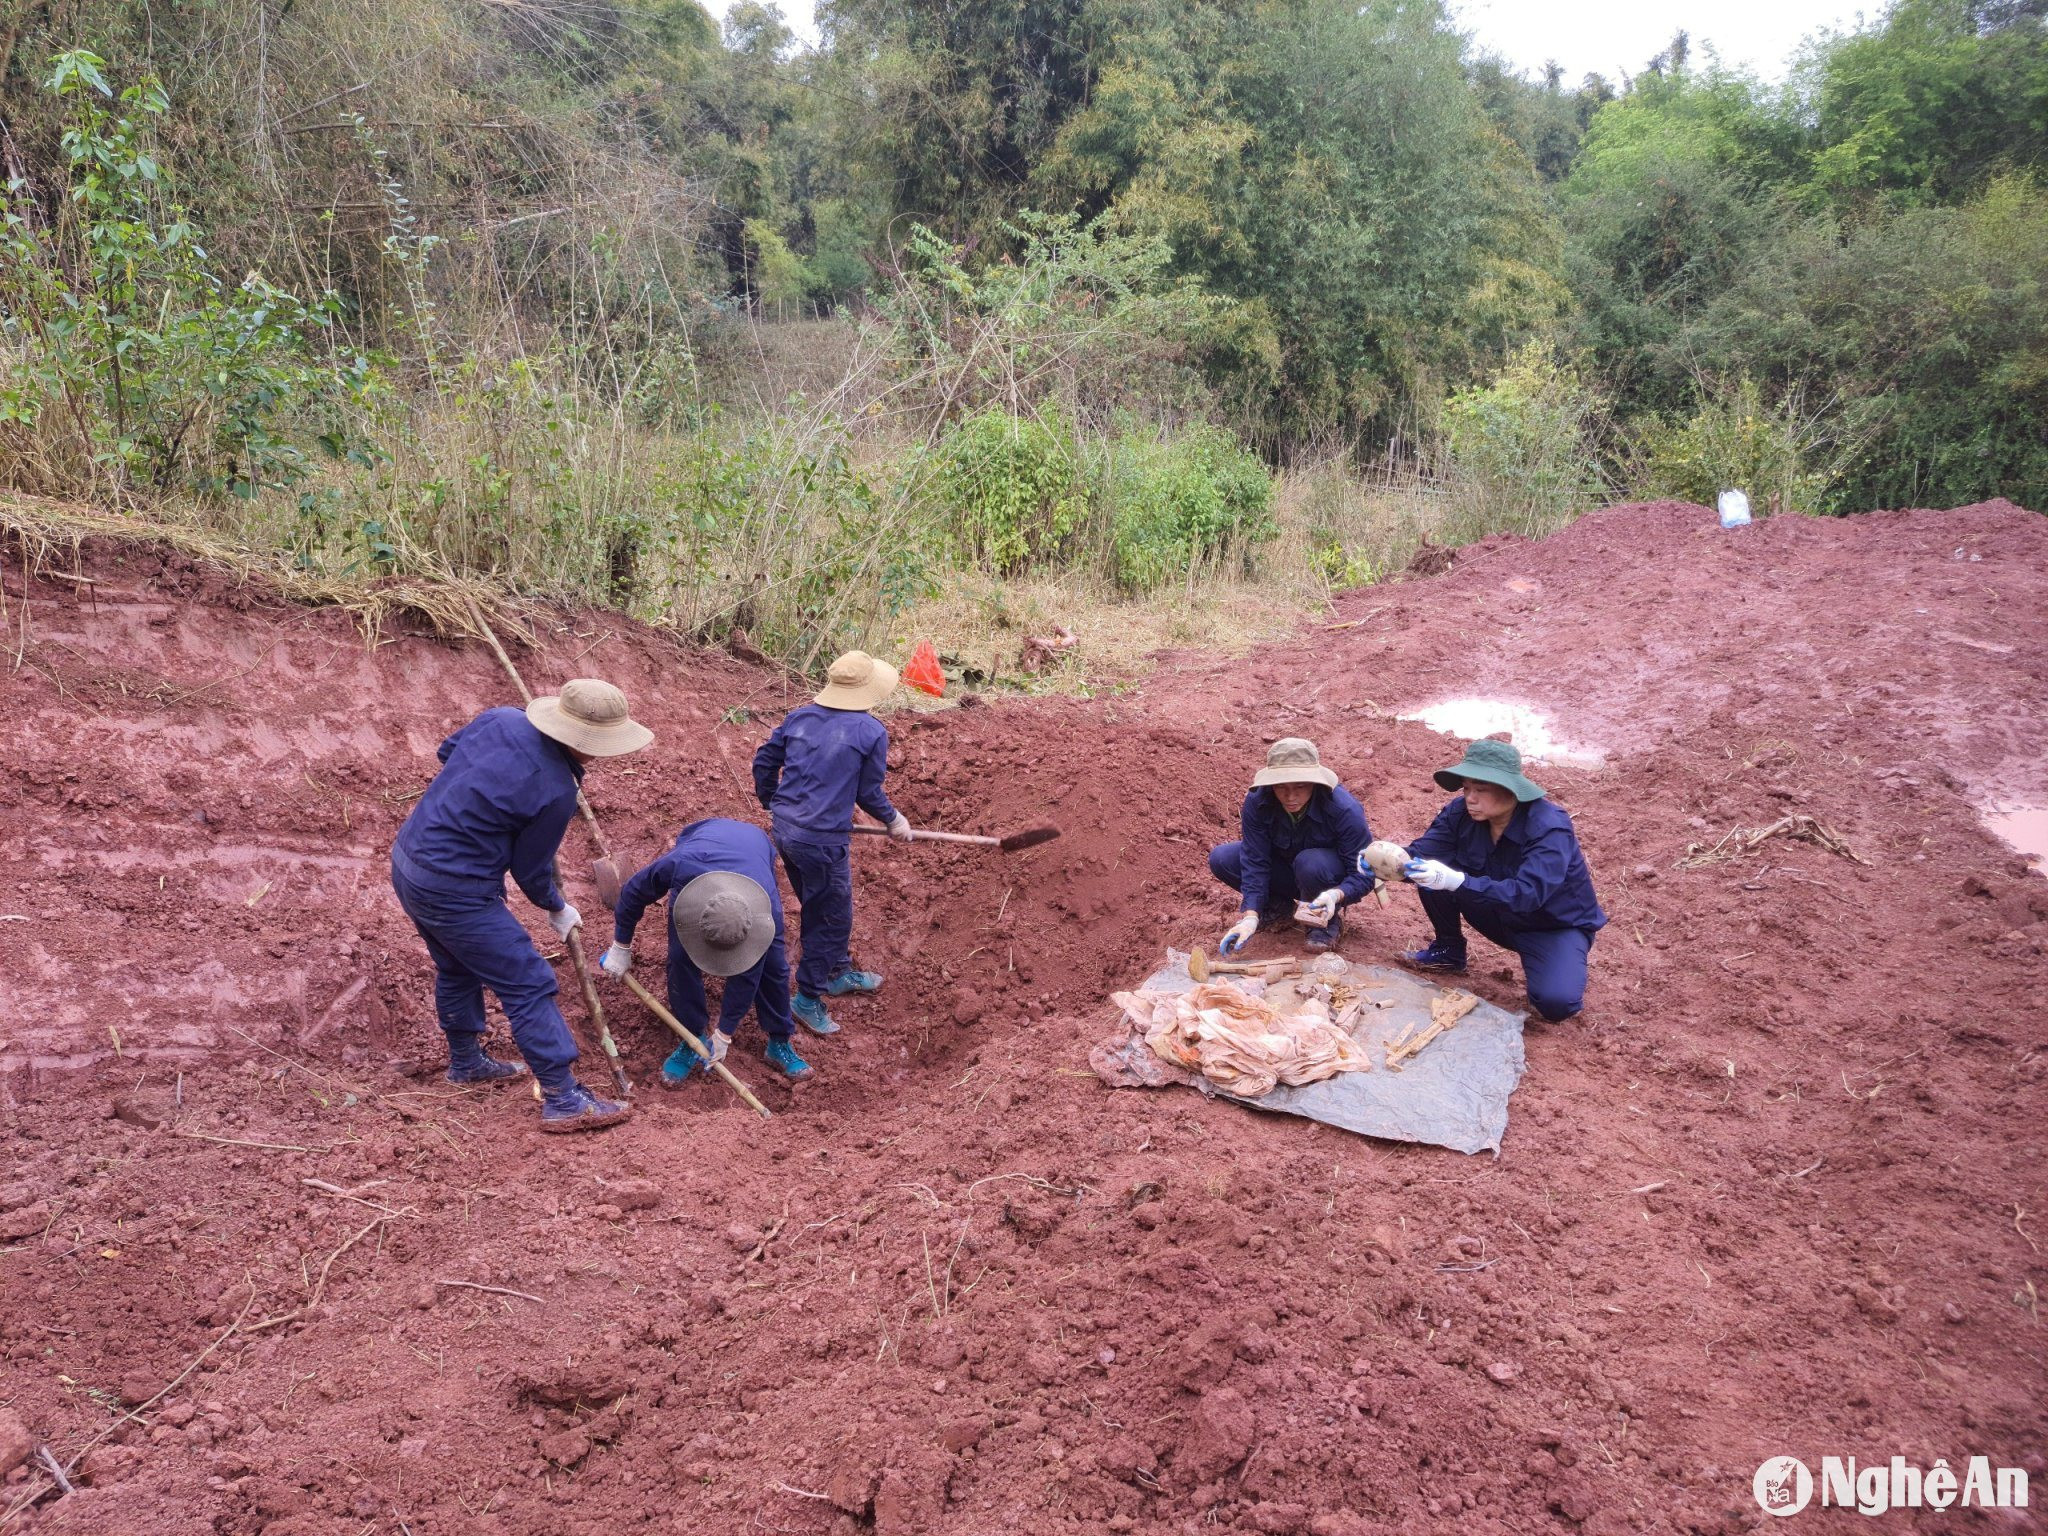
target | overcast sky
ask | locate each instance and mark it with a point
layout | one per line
(1610, 37)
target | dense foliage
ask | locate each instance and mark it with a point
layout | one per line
(470, 252)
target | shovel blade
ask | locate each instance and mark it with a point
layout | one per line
(1029, 838)
(604, 874)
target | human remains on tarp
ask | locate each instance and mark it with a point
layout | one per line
(1505, 860)
(1298, 855)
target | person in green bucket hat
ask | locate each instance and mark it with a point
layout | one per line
(1506, 861)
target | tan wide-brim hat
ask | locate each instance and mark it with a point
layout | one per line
(1292, 760)
(590, 716)
(857, 681)
(724, 922)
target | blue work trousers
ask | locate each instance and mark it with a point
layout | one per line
(1553, 959)
(1303, 878)
(765, 989)
(821, 874)
(482, 945)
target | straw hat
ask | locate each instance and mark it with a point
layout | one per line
(590, 716)
(724, 922)
(1291, 760)
(857, 681)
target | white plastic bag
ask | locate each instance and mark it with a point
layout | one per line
(1734, 508)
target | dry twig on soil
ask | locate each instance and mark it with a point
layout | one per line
(1741, 841)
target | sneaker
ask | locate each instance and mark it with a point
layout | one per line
(1326, 937)
(1438, 956)
(783, 1060)
(682, 1065)
(853, 981)
(576, 1108)
(810, 1012)
(484, 1068)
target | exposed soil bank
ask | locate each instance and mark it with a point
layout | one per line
(1774, 1192)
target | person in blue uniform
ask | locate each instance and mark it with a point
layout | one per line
(821, 762)
(1504, 861)
(504, 795)
(1302, 833)
(725, 919)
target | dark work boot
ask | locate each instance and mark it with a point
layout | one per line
(470, 1064)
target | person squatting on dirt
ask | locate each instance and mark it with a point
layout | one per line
(1505, 860)
(725, 919)
(1302, 833)
(504, 796)
(822, 761)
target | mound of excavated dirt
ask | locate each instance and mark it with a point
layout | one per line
(1774, 1192)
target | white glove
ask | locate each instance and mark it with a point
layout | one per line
(899, 829)
(1239, 935)
(617, 960)
(1432, 876)
(1325, 906)
(720, 1043)
(566, 921)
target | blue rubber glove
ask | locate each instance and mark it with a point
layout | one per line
(1240, 933)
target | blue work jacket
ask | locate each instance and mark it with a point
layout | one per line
(498, 806)
(817, 767)
(1332, 819)
(1535, 874)
(700, 847)
(737, 846)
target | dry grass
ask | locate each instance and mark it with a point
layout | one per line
(52, 535)
(980, 622)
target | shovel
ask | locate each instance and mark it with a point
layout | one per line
(1030, 837)
(604, 870)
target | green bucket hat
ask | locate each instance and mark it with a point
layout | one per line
(1491, 762)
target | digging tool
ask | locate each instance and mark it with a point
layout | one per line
(696, 1045)
(604, 869)
(574, 944)
(1030, 837)
(1201, 967)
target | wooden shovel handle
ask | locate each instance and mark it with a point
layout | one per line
(695, 1044)
(920, 834)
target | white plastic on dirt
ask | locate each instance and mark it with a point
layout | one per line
(1528, 728)
(2024, 828)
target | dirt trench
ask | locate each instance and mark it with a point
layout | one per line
(1774, 1191)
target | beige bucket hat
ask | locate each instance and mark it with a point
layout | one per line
(724, 921)
(857, 681)
(1292, 760)
(590, 716)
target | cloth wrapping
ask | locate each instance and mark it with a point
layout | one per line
(1241, 1043)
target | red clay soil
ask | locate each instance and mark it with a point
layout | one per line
(1776, 1191)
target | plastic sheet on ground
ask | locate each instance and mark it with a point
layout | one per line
(1454, 1093)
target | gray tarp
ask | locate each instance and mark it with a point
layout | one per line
(1453, 1094)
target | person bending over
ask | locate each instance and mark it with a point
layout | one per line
(1506, 861)
(822, 761)
(1302, 833)
(504, 796)
(724, 919)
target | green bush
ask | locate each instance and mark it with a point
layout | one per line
(1522, 449)
(1734, 440)
(127, 362)
(1178, 503)
(1010, 489)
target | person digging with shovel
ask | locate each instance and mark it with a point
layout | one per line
(1302, 835)
(822, 761)
(504, 796)
(725, 919)
(1506, 861)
